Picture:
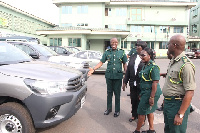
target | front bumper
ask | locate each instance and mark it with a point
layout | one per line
(39, 105)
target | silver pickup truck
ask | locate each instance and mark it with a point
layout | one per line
(36, 94)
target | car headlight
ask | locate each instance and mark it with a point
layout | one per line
(46, 88)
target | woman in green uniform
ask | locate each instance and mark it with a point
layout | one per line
(150, 90)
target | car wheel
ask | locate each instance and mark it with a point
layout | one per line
(14, 118)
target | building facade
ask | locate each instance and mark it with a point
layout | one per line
(153, 21)
(15, 22)
(194, 26)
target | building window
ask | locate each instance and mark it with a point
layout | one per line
(76, 42)
(163, 45)
(108, 11)
(55, 41)
(195, 13)
(121, 12)
(136, 14)
(178, 29)
(135, 28)
(82, 24)
(66, 9)
(124, 44)
(194, 28)
(121, 27)
(66, 24)
(150, 45)
(149, 29)
(164, 29)
(133, 44)
(82, 9)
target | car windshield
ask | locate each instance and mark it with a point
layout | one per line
(74, 49)
(95, 55)
(44, 50)
(10, 54)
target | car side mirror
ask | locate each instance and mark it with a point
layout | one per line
(65, 52)
(34, 55)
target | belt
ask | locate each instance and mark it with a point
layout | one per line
(174, 97)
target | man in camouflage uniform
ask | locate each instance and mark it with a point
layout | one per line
(114, 74)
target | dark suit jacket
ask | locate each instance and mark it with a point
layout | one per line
(130, 72)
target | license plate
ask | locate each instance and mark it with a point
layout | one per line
(82, 101)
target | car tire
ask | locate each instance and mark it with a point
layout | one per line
(15, 118)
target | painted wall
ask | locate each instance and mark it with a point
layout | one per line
(17, 23)
(93, 18)
(97, 44)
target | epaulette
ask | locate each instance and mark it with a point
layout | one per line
(185, 59)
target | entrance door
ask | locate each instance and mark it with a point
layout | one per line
(107, 45)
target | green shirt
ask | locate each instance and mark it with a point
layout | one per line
(115, 59)
(148, 74)
(187, 77)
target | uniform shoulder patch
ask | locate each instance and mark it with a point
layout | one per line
(185, 59)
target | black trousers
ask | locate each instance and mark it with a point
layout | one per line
(134, 95)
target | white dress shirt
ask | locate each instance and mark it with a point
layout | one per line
(137, 62)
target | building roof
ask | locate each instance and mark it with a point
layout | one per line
(24, 13)
(80, 30)
(176, 3)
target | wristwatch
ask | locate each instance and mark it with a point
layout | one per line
(180, 115)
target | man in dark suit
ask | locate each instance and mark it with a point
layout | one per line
(131, 76)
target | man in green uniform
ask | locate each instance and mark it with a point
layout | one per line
(114, 74)
(179, 87)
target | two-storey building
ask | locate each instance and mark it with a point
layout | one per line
(89, 24)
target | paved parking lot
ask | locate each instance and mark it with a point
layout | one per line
(90, 118)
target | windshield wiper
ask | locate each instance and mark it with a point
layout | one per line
(24, 61)
(3, 64)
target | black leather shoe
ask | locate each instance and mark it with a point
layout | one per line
(107, 112)
(191, 109)
(116, 114)
(136, 131)
(149, 131)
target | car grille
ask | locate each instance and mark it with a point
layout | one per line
(75, 84)
(86, 65)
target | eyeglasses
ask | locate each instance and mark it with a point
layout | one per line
(143, 55)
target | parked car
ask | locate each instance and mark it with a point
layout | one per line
(36, 94)
(189, 53)
(61, 50)
(43, 53)
(73, 49)
(197, 54)
(93, 57)
(154, 54)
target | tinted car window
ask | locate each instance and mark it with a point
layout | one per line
(94, 55)
(44, 50)
(60, 50)
(82, 55)
(25, 48)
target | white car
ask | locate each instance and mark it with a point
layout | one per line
(93, 57)
(43, 53)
